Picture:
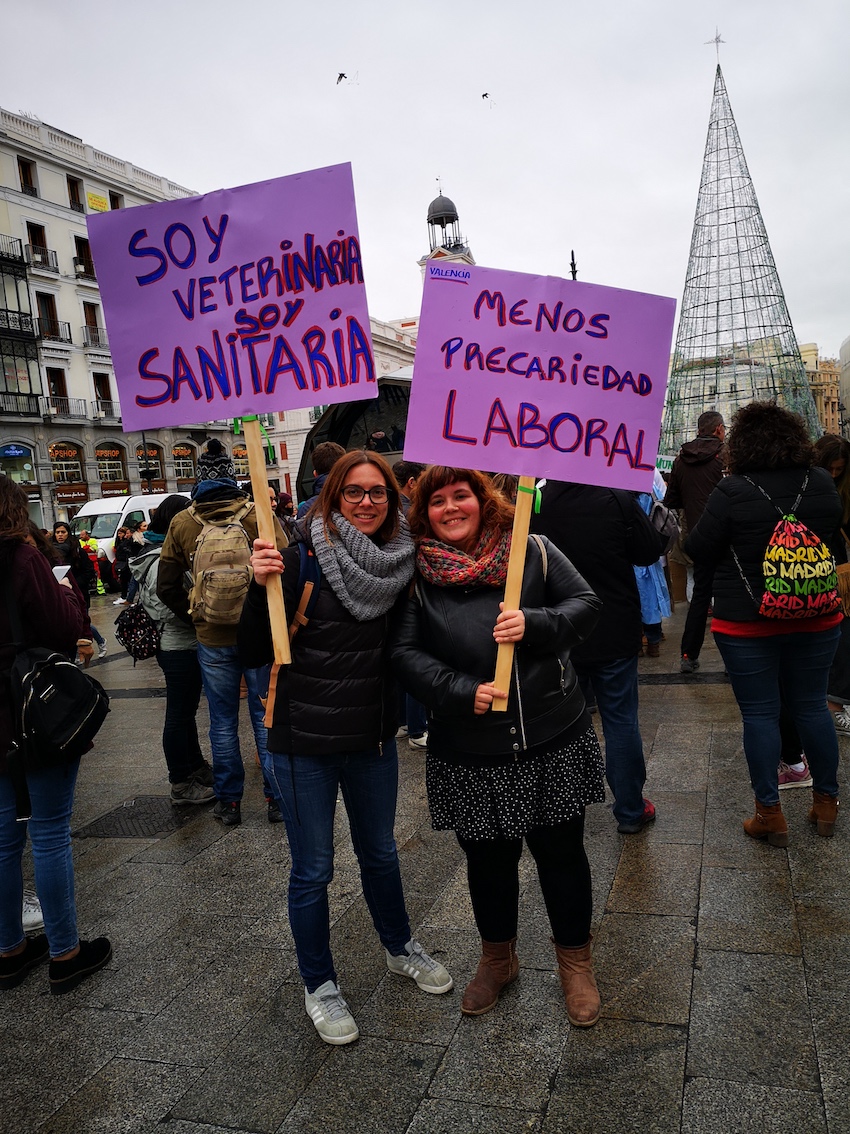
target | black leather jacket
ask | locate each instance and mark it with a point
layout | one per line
(442, 648)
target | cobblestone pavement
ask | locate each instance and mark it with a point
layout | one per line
(723, 963)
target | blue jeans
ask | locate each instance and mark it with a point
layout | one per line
(52, 797)
(415, 716)
(221, 673)
(306, 789)
(615, 688)
(180, 743)
(800, 662)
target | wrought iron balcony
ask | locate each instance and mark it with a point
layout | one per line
(30, 190)
(20, 321)
(78, 206)
(53, 331)
(95, 337)
(84, 268)
(11, 248)
(44, 258)
(64, 407)
(106, 409)
(20, 405)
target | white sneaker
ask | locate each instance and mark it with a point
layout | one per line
(329, 1012)
(415, 963)
(842, 722)
(418, 741)
(402, 732)
(120, 602)
(101, 653)
(31, 914)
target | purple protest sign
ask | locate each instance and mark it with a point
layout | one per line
(238, 302)
(539, 376)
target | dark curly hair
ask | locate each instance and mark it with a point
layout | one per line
(766, 436)
(496, 511)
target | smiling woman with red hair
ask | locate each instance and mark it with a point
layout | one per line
(498, 779)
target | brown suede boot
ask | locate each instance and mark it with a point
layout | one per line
(498, 967)
(768, 823)
(579, 984)
(824, 812)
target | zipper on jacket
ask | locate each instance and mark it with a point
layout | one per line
(519, 708)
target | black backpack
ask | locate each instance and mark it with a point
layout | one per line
(57, 708)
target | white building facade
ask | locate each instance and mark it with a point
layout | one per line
(60, 424)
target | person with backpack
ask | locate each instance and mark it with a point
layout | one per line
(768, 530)
(52, 615)
(190, 776)
(210, 544)
(334, 721)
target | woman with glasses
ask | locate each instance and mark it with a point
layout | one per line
(333, 721)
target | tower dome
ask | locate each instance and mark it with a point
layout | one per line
(442, 211)
(444, 225)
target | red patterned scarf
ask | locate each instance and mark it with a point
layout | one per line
(447, 566)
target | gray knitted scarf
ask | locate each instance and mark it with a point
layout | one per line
(366, 577)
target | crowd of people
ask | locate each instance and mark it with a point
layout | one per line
(393, 580)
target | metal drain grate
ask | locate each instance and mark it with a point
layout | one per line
(144, 817)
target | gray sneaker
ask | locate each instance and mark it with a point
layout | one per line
(415, 963)
(842, 722)
(190, 792)
(31, 914)
(330, 1014)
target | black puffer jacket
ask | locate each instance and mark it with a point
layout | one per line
(442, 648)
(737, 515)
(337, 695)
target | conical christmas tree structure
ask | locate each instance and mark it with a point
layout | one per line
(735, 342)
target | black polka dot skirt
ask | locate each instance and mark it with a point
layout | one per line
(507, 800)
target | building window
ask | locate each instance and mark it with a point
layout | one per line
(26, 172)
(153, 464)
(284, 455)
(19, 372)
(83, 262)
(281, 416)
(75, 195)
(66, 462)
(240, 461)
(110, 462)
(56, 386)
(184, 462)
(101, 387)
(116, 201)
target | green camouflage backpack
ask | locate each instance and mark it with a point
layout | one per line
(221, 569)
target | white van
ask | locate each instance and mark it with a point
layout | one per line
(102, 518)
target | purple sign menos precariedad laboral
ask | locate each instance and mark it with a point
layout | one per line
(238, 302)
(539, 376)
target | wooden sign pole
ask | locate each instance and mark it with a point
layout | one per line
(265, 530)
(513, 584)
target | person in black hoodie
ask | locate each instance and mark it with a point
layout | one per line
(695, 473)
(773, 660)
(604, 533)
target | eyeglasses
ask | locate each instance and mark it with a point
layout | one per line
(353, 493)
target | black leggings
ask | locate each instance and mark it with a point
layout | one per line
(564, 873)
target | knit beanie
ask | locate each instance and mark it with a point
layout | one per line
(215, 464)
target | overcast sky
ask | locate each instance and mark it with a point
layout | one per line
(592, 136)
